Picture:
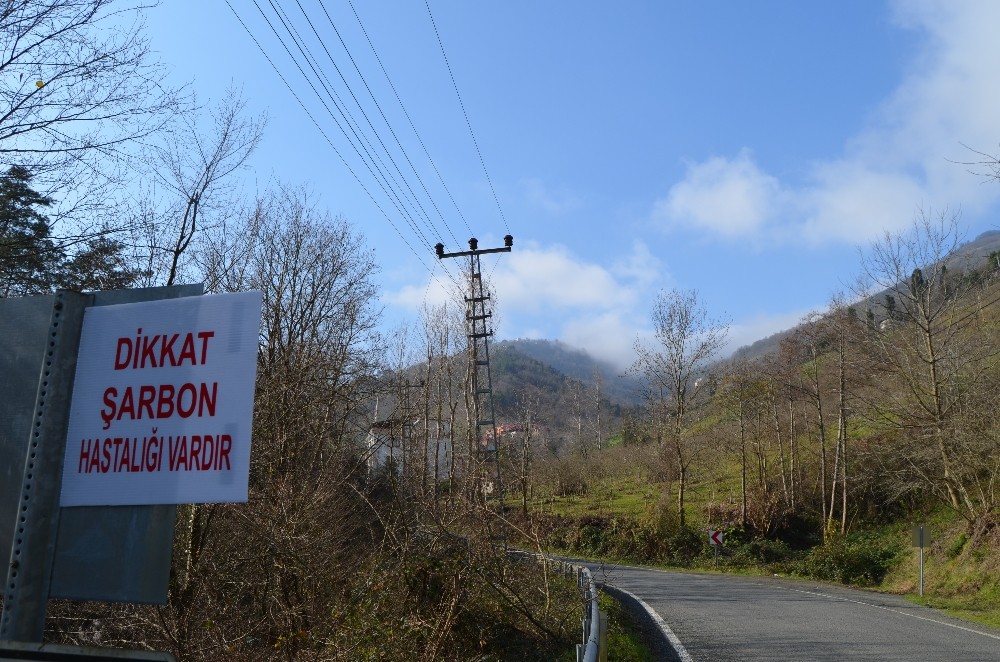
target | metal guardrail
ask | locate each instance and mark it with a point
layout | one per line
(595, 622)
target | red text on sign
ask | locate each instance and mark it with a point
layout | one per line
(161, 401)
(161, 350)
(196, 452)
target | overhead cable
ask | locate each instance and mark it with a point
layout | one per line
(351, 170)
(468, 123)
(416, 133)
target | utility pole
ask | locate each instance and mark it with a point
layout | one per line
(477, 314)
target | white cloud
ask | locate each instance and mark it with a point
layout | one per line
(607, 336)
(725, 196)
(582, 303)
(905, 158)
(853, 203)
(437, 291)
(534, 278)
(640, 266)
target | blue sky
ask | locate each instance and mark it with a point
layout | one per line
(745, 150)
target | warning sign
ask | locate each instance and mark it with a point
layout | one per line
(163, 402)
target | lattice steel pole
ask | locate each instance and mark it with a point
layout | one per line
(478, 315)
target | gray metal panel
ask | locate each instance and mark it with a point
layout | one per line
(118, 553)
(19, 650)
(36, 519)
(23, 325)
(115, 297)
(114, 553)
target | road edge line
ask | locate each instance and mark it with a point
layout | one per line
(893, 610)
(675, 643)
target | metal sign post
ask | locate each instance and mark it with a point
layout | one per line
(36, 520)
(118, 554)
(715, 540)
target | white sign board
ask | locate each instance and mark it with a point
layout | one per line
(163, 402)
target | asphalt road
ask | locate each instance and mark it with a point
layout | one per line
(727, 617)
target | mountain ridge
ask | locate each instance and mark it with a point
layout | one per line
(577, 364)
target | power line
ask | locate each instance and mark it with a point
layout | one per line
(370, 162)
(399, 191)
(384, 118)
(468, 123)
(390, 189)
(332, 146)
(410, 120)
(429, 225)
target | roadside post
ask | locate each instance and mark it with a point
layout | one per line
(921, 538)
(715, 540)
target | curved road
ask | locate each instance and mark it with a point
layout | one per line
(728, 617)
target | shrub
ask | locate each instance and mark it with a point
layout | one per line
(856, 559)
(762, 551)
(683, 546)
(957, 546)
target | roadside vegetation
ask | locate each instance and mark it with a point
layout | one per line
(624, 635)
(961, 564)
(815, 459)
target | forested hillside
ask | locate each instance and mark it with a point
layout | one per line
(617, 384)
(815, 456)
(582, 411)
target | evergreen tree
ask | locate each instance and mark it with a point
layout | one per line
(32, 261)
(99, 265)
(29, 257)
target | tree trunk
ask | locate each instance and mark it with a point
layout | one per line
(743, 466)
(781, 451)
(792, 451)
(682, 479)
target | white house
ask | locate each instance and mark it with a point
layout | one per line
(400, 442)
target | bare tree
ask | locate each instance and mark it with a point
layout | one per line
(598, 424)
(577, 411)
(316, 363)
(936, 351)
(810, 343)
(522, 462)
(446, 358)
(847, 336)
(687, 339)
(738, 399)
(191, 187)
(777, 371)
(78, 89)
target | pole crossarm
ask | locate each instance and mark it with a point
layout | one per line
(483, 251)
(508, 242)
